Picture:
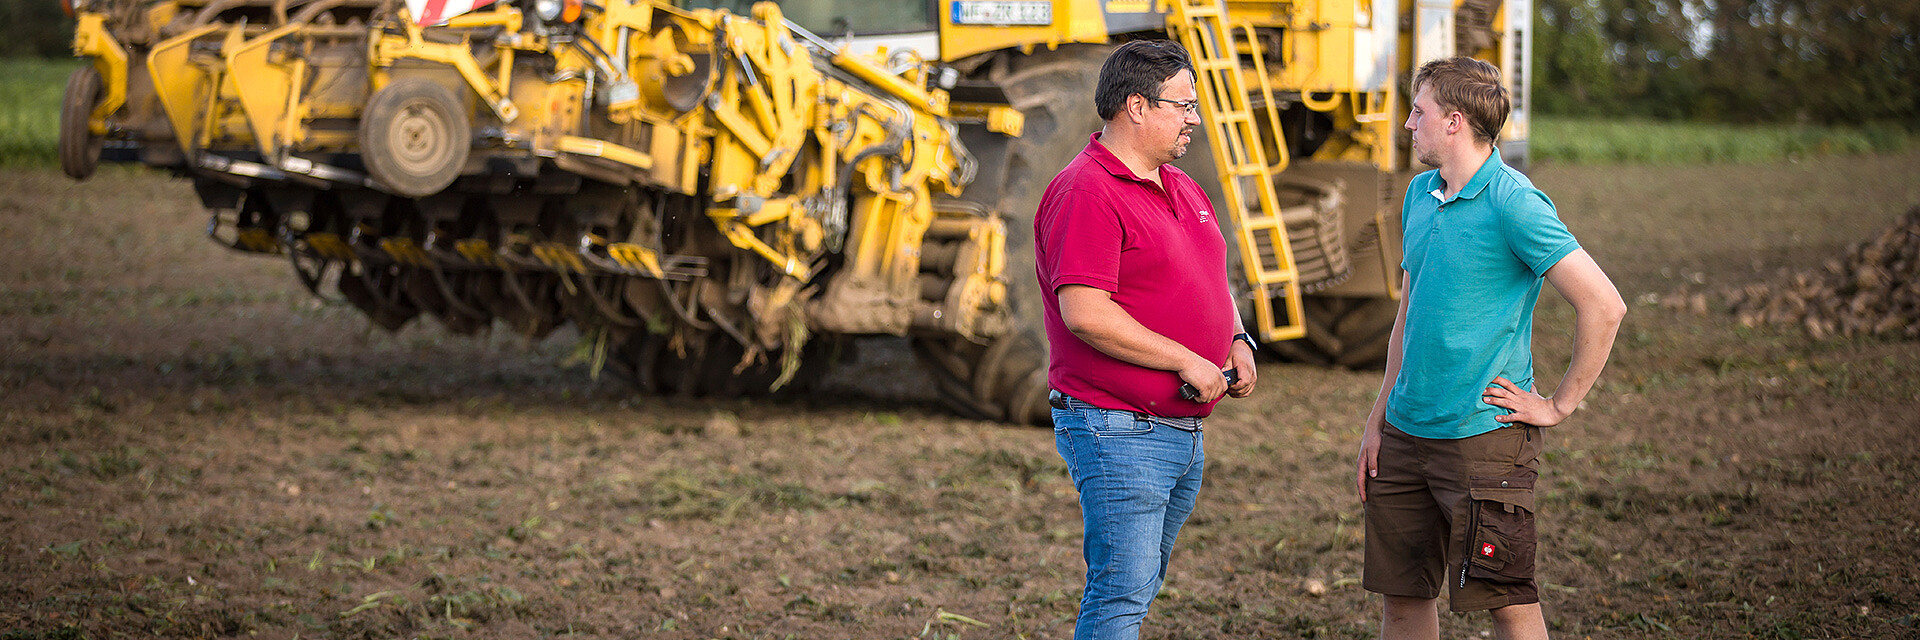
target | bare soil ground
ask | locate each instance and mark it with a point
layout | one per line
(194, 447)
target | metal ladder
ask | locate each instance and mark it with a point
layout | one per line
(1234, 134)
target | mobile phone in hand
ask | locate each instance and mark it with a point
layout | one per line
(1187, 391)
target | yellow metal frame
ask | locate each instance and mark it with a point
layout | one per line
(786, 139)
(999, 118)
(761, 130)
(390, 48)
(90, 38)
(602, 149)
(269, 100)
(179, 83)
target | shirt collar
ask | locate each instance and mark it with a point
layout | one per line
(1479, 181)
(1101, 154)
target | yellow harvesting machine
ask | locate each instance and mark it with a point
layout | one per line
(716, 192)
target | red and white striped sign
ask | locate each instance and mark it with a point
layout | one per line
(432, 12)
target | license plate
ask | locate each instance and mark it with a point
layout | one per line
(1003, 12)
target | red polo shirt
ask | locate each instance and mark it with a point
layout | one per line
(1161, 255)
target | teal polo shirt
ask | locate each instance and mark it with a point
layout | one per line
(1475, 263)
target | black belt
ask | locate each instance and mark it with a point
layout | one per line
(1065, 402)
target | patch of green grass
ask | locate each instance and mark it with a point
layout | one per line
(30, 94)
(678, 494)
(68, 632)
(1589, 141)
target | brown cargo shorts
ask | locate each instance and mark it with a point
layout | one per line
(1454, 512)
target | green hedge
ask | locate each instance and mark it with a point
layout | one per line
(30, 94)
(1593, 141)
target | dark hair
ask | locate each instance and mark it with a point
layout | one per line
(1471, 87)
(1137, 67)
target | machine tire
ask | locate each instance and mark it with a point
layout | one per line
(1007, 379)
(414, 137)
(1053, 90)
(79, 147)
(1349, 332)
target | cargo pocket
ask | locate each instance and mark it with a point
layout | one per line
(1500, 547)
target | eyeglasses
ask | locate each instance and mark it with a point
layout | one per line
(1192, 106)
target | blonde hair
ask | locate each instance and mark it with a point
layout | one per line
(1471, 87)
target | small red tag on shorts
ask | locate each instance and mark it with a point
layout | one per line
(1486, 549)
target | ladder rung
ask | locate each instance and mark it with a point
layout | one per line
(1234, 141)
(1191, 10)
(1241, 168)
(1275, 276)
(1237, 142)
(1243, 127)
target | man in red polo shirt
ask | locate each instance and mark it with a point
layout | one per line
(1131, 251)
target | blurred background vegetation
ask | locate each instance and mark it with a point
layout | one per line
(1822, 62)
(34, 28)
(1657, 81)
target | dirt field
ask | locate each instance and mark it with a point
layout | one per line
(193, 447)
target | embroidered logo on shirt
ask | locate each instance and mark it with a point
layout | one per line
(1206, 216)
(1486, 549)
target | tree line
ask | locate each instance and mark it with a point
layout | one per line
(1832, 62)
(1812, 61)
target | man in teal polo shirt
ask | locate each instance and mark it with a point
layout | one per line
(1449, 453)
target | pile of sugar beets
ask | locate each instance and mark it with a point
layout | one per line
(1874, 290)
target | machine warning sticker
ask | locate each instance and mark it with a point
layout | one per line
(1003, 12)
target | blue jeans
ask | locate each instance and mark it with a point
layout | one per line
(1137, 484)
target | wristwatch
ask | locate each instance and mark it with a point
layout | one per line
(1251, 345)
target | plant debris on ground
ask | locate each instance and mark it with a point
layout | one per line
(191, 446)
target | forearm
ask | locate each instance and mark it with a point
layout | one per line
(1597, 310)
(1109, 329)
(1379, 411)
(1593, 335)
